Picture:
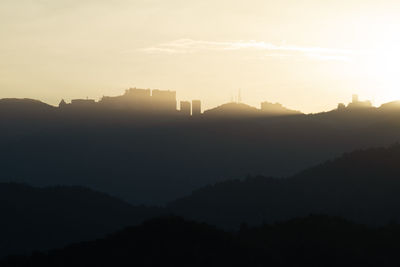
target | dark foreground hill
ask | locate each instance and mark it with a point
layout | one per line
(171, 241)
(362, 186)
(44, 218)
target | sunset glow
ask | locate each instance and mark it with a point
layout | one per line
(291, 52)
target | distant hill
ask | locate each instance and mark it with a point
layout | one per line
(277, 109)
(363, 186)
(43, 218)
(238, 110)
(233, 109)
(171, 241)
(23, 106)
(395, 105)
(24, 117)
(154, 159)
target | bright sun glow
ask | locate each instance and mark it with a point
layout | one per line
(273, 50)
(381, 69)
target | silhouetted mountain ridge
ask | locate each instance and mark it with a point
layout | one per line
(17, 105)
(363, 186)
(44, 218)
(394, 105)
(232, 109)
(155, 158)
(239, 110)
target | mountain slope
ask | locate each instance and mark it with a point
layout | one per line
(171, 241)
(363, 186)
(158, 159)
(43, 218)
(232, 110)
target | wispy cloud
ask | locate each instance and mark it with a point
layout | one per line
(188, 46)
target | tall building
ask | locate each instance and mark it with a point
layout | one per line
(196, 108)
(355, 99)
(356, 103)
(164, 100)
(139, 98)
(185, 108)
(132, 99)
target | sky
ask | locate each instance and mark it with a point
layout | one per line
(308, 55)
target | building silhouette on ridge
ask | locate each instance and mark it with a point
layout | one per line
(139, 100)
(355, 104)
(196, 108)
(186, 108)
(163, 100)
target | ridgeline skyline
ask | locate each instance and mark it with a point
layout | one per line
(138, 98)
(309, 55)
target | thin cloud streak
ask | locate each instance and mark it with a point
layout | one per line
(189, 46)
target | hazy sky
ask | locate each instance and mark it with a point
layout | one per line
(305, 54)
